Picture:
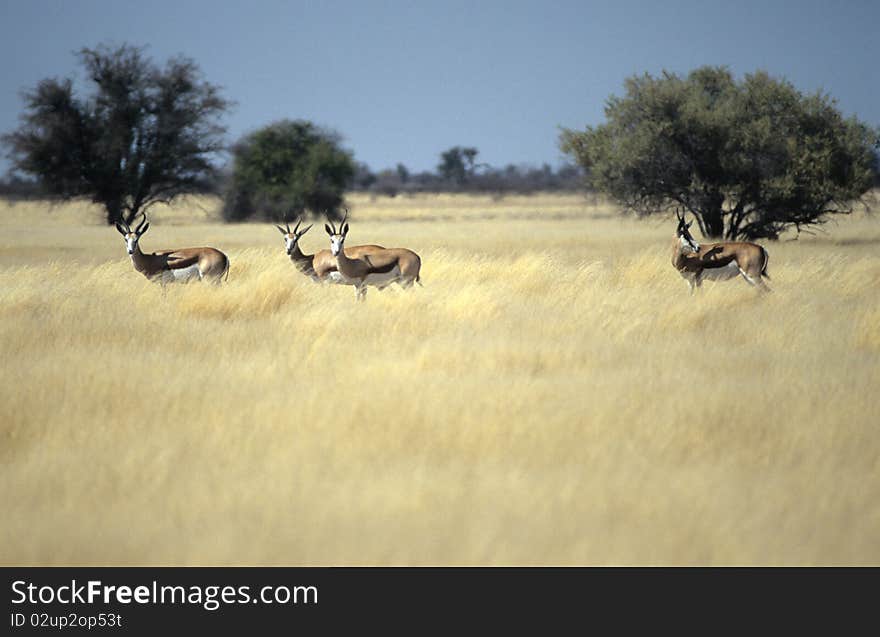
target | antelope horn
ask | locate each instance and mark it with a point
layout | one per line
(142, 223)
(296, 227)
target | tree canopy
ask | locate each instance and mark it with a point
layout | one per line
(287, 168)
(143, 135)
(458, 164)
(749, 159)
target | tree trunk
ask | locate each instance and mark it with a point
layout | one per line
(733, 223)
(132, 215)
(114, 211)
(713, 217)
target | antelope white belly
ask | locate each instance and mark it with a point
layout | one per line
(729, 271)
(335, 277)
(381, 279)
(184, 274)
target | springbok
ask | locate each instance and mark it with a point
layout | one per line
(379, 269)
(321, 266)
(168, 266)
(718, 261)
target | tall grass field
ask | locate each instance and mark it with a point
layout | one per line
(552, 395)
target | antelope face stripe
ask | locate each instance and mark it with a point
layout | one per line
(289, 243)
(335, 244)
(131, 241)
(689, 244)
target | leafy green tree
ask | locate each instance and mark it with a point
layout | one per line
(749, 159)
(402, 173)
(143, 135)
(285, 169)
(458, 164)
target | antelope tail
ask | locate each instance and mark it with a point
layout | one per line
(419, 280)
(766, 260)
(227, 269)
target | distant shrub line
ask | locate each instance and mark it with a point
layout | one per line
(495, 181)
(746, 158)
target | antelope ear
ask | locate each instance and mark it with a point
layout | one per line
(688, 224)
(345, 229)
(327, 228)
(121, 229)
(144, 229)
(305, 230)
(280, 229)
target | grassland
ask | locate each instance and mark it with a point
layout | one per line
(552, 395)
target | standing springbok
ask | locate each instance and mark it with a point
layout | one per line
(719, 261)
(379, 269)
(168, 266)
(321, 266)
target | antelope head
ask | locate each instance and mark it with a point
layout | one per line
(292, 237)
(684, 235)
(337, 238)
(130, 236)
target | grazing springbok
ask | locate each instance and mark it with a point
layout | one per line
(718, 261)
(321, 266)
(379, 269)
(168, 266)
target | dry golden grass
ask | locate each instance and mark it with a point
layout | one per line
(551, 396)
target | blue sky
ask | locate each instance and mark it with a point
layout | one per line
(403, 81)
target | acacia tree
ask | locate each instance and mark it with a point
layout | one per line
(144, 135)
(285, 169)
(458, 164)
(749, 159)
